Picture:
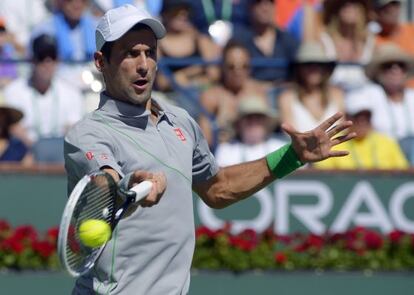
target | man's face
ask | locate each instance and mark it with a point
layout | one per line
(73, 9)
(236, 67)
(262, 12)
(362, 124)
(44, 70)
(393, 75)
(130, 72)
(389, 15)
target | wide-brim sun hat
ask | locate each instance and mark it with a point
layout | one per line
(256, 106)
(331, 8)
(387, 53)
(118, 21)
(313, 52)
(14, 115)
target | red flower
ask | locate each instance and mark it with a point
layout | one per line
(395, 236)
(280, 257)
(25, 232)
(44, 248)
(13, 244)
(315, 241)
(204, 231)
(52, 234)
(373, 240)
(247, 240)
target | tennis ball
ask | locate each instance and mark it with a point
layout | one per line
(94, 232)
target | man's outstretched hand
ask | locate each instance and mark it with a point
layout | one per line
(316, 145)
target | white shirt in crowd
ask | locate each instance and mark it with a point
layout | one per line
(236, 152)
(22, 16)
(393, 118)
(47, 115)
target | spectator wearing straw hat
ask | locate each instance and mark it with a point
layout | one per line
(253, 127)
(369, 149)
(392, 101)
(311, 98)
(11, 148)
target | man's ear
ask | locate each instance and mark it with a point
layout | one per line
(99, 60)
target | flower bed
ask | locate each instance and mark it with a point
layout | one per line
(22, 248)
(357, 249)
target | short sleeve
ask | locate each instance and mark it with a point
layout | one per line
(86, 152)
(204, 163)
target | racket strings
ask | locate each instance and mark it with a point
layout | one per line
(96, 202)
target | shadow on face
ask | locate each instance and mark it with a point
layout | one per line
(236, 67)
(361, 123)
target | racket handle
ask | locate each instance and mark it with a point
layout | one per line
(142, 190)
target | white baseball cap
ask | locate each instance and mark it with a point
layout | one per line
(356, 104)
(116, 22)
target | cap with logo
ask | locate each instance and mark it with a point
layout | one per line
(118, 21)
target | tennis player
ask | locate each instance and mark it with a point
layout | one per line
(134, 137)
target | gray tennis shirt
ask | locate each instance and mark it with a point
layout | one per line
(151, 250)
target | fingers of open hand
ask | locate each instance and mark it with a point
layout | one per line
(325, 125)
(338, 128)
(343, 138)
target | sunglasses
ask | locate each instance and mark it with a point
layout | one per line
(232, 67)
(389, 65)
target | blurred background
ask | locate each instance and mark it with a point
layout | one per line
(241, 68)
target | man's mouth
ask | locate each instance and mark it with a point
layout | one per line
(141, 84)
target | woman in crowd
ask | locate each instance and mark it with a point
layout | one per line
(183, 40)
(221, 101)
(311, 98)
(346, 38)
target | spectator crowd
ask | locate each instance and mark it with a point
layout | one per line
(241, 68)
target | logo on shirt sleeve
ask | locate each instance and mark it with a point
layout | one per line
(89, 155)
(179, 134)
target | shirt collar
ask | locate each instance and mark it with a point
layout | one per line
(128, 112)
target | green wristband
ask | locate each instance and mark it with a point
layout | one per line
(283, 161)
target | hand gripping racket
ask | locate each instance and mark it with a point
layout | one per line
(95, 196)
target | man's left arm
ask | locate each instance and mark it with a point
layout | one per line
(237, 182)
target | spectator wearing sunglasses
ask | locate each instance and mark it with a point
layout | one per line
(222, 100)
(311, 98)
(391, 100)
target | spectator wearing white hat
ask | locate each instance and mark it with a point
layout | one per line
(392, 101)
(369, 149)
(311, 98)
(254, 127)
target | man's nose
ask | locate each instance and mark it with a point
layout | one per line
(142, 67)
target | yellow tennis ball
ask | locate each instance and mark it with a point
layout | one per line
(94, 232)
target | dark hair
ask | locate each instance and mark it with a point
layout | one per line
(233, 43)
(107, 47)
(44, 46)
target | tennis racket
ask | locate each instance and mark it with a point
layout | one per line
(95, 196)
